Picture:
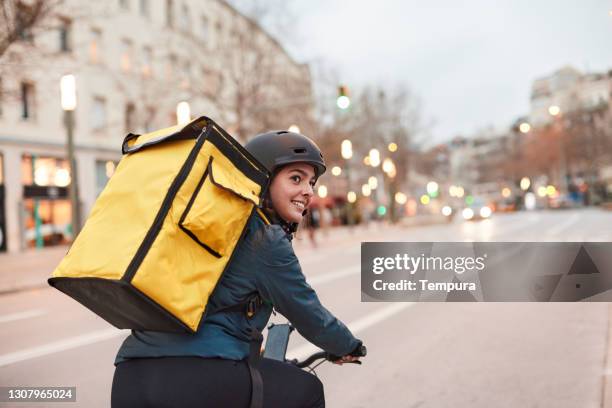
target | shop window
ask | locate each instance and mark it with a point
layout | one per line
(44, 171)
(104, 171)
(46, 204)
(47, 222)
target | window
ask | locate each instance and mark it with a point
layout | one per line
(149, 119)
(170, 66)
(65, 35)
(169, 13)
(185, 18)
(27, 101)
(145, 10)
(126, 55)
(22, 17)
(130, 116)
(95, 46)
(204, 28)
(98, 113)
(147, 63)
(186, 74)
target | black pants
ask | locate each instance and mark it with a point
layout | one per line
(186, 382)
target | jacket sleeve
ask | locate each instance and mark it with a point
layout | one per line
(279, 279)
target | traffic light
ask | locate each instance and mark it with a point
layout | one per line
(343, 101)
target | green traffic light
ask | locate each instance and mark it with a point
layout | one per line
(381, 210)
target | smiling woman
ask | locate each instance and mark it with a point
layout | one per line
(263, 275)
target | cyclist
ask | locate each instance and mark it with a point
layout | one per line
(216, 366)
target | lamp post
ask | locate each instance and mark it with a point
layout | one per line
(346, 150)
(555, 112)
(69, 103)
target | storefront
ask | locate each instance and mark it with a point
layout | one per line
(3, 234)
(46, 205)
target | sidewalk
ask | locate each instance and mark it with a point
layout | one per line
(28, 269)
(31, 269)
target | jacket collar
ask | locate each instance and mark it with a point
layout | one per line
(288, 227)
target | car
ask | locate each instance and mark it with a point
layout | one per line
(477, 211)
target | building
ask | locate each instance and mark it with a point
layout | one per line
(134, 61)
(568, 89)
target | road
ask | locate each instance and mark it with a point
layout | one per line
(420, 355)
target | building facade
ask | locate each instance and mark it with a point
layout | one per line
(134, 61)
(570, 90)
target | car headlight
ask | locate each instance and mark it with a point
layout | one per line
(485, 212)
(447, 210)
(468, 213)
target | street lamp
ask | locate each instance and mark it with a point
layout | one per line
(374, 157)
(554, 110)
(343, 101)
(336, 171)
(389, 167)
(69, 103)
(524, 127)
(183, 113)
(322, 191)
(294, 129)
(346, 150)
(373, 182)
(525, 183)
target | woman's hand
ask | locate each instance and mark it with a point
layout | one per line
(346, 359)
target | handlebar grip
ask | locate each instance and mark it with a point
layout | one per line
(361, 351)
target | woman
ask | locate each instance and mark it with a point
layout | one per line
(210, 368)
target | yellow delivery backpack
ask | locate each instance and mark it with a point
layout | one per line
(164, 229)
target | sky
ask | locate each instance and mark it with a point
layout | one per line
(470, 62)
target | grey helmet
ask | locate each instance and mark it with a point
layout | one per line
(280, 147)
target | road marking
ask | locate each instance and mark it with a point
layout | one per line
(60, 345)
(22, 315)
(330, 277)
(358, 325)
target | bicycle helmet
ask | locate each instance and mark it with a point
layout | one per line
(280, 147)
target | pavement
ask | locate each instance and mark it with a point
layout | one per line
(31, 268)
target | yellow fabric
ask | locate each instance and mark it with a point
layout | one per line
(123, 213)
(218, 216)
(177, 272)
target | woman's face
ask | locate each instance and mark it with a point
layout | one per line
(291, 190)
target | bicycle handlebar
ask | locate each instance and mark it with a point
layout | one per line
(362, 352)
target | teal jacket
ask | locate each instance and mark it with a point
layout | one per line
(264, 263)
